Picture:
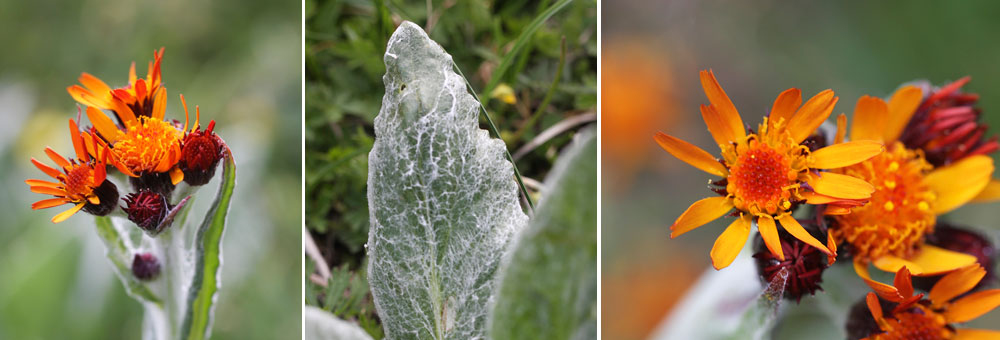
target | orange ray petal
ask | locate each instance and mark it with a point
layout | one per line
(975, 334)
(66, 214)
(131, 73)
(956, 283)
(831, 244)
(94, 200)
(883, 290)
(769, 233)
(972, 306)
(841, 129)
(56, 157)
(793, 227)
(82, 95)
(837, 210)
(691, 154)
(841, 186)
(725, 122)
(176, 175)
(103, 124)
(94, 84)
(929, 261)
(160, 103)
(785, 105)
(811, 115)
(125, 113)
(140, 89)
(874, 306)
(902, 105)
(990, 193)
(48, 203)
(870, 116)
(46, 169)
(48, 190)
(701, 212)
(903, 282)
(959, 182)
(729, 244)
(41, 183)
(844, 154)
(81, 149)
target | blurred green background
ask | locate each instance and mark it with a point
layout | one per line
(240, 61)
(345, 41)
(651, 54)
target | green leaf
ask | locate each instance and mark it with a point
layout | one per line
(443, 202)
(549, 282)
(320, 324)
(522, 40)
(119, 253)
(208, 258)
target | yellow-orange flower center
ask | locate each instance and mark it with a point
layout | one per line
(150, 146)
(78, 181)
(759, 178)
(917, 323)
(899, 213)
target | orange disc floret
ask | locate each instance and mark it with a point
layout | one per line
(917, 323)
(150, 146)
(763, 176)
(899, 213)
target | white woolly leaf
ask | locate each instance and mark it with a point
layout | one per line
(442, 198)
(548, 288)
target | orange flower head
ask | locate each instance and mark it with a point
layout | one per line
(766, 172)
(146, 145)
(899, 213)
(81, 181)
(140, 97)
(933, 317)
(910, 193)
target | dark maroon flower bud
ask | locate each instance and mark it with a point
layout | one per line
(963, 240)
(146, 209)
(145, 266)
(200, 155)
(107, 193)
(946, 125)
(860, 323)
(805, 264)
(158, 182)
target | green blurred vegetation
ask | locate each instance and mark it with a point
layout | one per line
(345, 41)
(240, 61)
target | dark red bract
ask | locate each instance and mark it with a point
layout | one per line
(146, 209)
(805, 265)
(946, 125)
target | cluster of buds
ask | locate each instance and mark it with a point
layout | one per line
(129, 133)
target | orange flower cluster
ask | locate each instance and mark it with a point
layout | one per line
(129, 132)
(877, 193)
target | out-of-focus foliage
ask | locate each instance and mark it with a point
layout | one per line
(345, 41)
(240, 61)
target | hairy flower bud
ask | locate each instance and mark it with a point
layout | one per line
(146, 209)
(145, 266)
(946, 125)
(805, 264)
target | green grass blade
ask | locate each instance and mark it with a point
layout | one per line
(522, 40)
(121, 262)
(208, 259)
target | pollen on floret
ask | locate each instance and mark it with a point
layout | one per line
(759, 179)
(147, 145)
(898, 214)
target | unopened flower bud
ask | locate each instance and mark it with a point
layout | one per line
(145, 266)
(107, 194)
(805, 264)
(146, 209)
(200, 155)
